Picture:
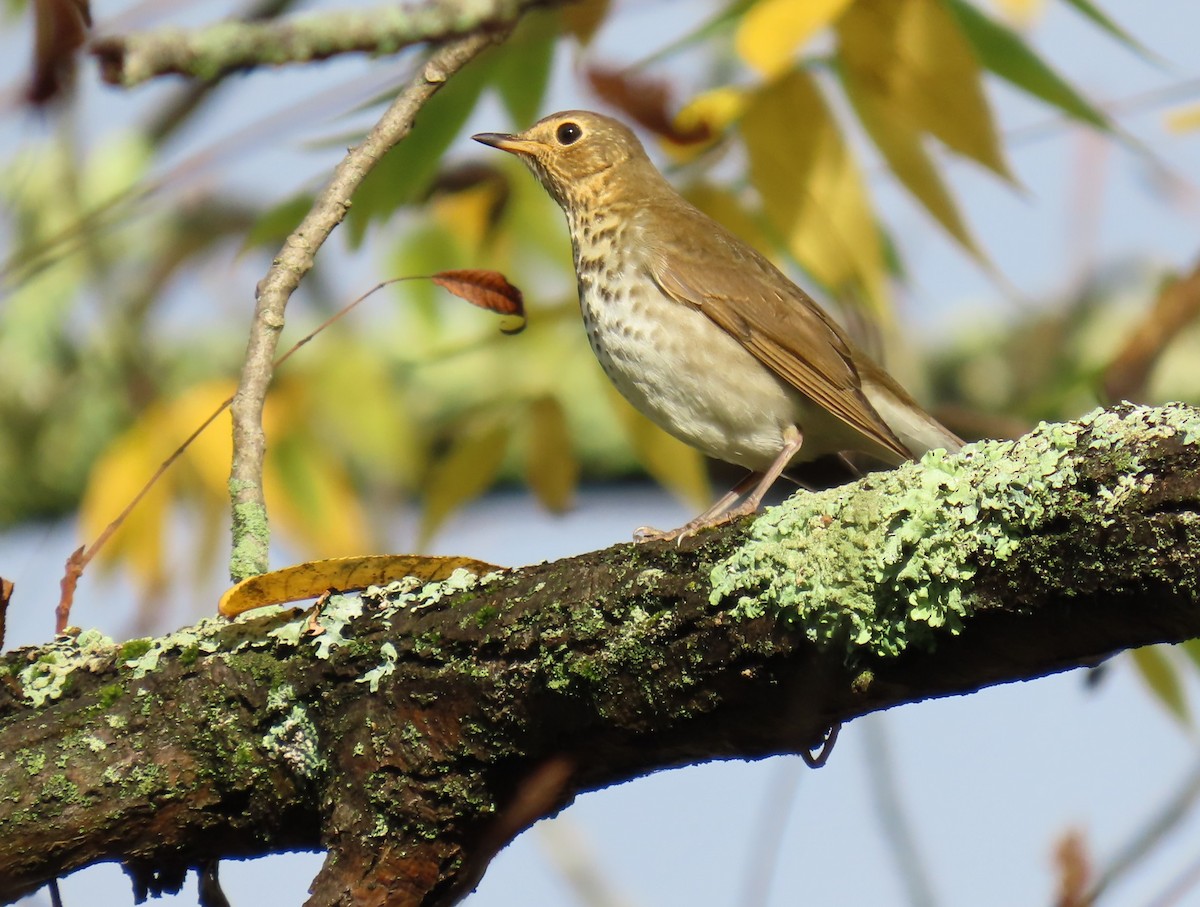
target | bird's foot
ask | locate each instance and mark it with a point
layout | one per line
(687, 530)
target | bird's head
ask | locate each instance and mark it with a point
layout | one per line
(573, 153)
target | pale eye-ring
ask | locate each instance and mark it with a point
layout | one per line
(568, 133)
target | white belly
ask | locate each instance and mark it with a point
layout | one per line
(689, 377)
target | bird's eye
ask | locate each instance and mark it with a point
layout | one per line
(568, 133)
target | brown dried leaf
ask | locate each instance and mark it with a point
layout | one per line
(645, 100)
(6, 591)
(486, 289)
(60, 28)
(1074, 870)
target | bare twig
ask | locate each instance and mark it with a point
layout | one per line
(1166, 820)
(294, 260)
(211, 52)
(894, 820)
(763, 859)
(1178, 304)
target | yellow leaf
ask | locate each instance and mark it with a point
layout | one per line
(914, 57)
(119, 474)
(772, 31)
(1185, 119)
(811, 188)
(901, 146)
(709, 113)
(310, 497)
(116, 476)
(673, 464)
(551, 467)
(308, 492)
(1021, 12)
(343, 574)
(366, 413)
(469, 214)
(465, 472)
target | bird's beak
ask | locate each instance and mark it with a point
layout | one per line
(505, 142)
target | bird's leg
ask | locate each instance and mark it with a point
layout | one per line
(709, 517)
(793, 441)
(723, 511)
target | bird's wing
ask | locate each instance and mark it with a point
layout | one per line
(779, 323)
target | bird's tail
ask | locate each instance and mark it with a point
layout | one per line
(918, 430)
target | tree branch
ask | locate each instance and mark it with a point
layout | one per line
(211, 52)
(425, 726)
(251, 536)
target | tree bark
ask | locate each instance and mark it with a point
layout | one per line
(426, 726)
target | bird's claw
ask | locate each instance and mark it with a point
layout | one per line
(644, 534)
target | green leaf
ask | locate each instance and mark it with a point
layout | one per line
(1164, 682)
(522, 68)
(465, 472)
(274, 224)
(1191, 648)
(406, 171)
(1093, 12)
(1003, 52)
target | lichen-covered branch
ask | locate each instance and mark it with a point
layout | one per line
(424, 726)
(251, 536)
(216, 50)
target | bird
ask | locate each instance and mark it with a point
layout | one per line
(702, 333)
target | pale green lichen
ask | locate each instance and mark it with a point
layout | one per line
(884, 563)
(251, 535)
(201, 637)
(280, 697)
(377, 673)
(45, 679)
(326, 629)
(294, 740)
(411, 594)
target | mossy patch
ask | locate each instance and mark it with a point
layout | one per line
(888, 562)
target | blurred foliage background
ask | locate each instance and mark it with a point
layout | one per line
(134, 225)
(129, 266)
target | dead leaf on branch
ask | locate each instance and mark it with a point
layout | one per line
(647, 101)
(487, 289)
(314, 578)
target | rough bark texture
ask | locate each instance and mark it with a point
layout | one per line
(427, 725)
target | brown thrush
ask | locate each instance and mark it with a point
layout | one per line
(702, 333)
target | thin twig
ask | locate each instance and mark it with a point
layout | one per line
(83, 555)
(294, 260)
(895, 823)
(767, 845)
(1174, 811)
